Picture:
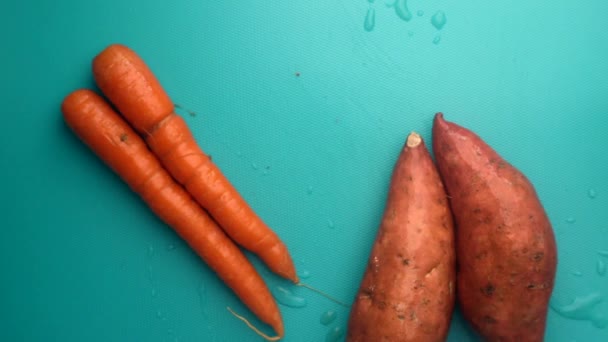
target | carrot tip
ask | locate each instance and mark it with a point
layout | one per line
(252, 327)
(322, 294)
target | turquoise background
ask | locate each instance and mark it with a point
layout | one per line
(83, 259)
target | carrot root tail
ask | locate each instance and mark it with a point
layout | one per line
(333, 299)
(252, 327)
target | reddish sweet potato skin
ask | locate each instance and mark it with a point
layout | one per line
(506, 249)
(408, 289)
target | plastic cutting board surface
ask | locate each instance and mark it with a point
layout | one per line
(304, 105)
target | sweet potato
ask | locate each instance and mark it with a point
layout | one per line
(408, 288)
(505, 246)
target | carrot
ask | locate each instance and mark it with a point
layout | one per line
(129, 84)
(123, 150)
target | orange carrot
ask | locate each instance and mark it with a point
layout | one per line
(130, 85)
(122, 149)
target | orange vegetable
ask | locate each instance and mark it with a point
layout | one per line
(408, 289)
(130, 85)
(505, 246)
(123, 150)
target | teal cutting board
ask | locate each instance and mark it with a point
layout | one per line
(304, 105)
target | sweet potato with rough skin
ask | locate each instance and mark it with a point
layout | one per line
(408, 289)
(505, 246)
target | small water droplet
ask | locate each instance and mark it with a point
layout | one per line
(410, 33)
(286, 297)
(150, 250)
(437, 39)
(603, 253)
(599, 320)
(304, 274)
(159, 314)
(601, 267)
(309, 190)
(592, 193)
(170, 247)
(330, 223)
(439, 19)
(402, 11)
(334, 334)
(328, 317)
(577, 273)
(254, 166)
(370, 20)
(420, 13)
(371, 1)
(153, 293)
(570, 219)
(582, 309)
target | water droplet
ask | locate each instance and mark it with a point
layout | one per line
(601, 267)
(371, 1)
(437, 39)
(328, 317)
(170, 247)
(150, 250)
(603, 253)
(410, 33)
(334, 334)
(159, 314)
(254, 166)
(439, 19)
(286, 297)
(577, 273)
(304, 274)
(582, 309)
(402, 11)
(153, 293)
(592, 193)
(599, 320)
(309, 190)
(330, 223)
(420, 13)
(370, 20)
(570, 219)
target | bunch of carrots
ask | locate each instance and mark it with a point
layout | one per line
(152, 149)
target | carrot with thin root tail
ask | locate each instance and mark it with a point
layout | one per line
(123, 150)
(130, 85)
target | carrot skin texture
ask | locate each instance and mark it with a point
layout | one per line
(506, 249)
(123, 150)
(408, 289)
(151, 113)
(178, 151)
(137, 89)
